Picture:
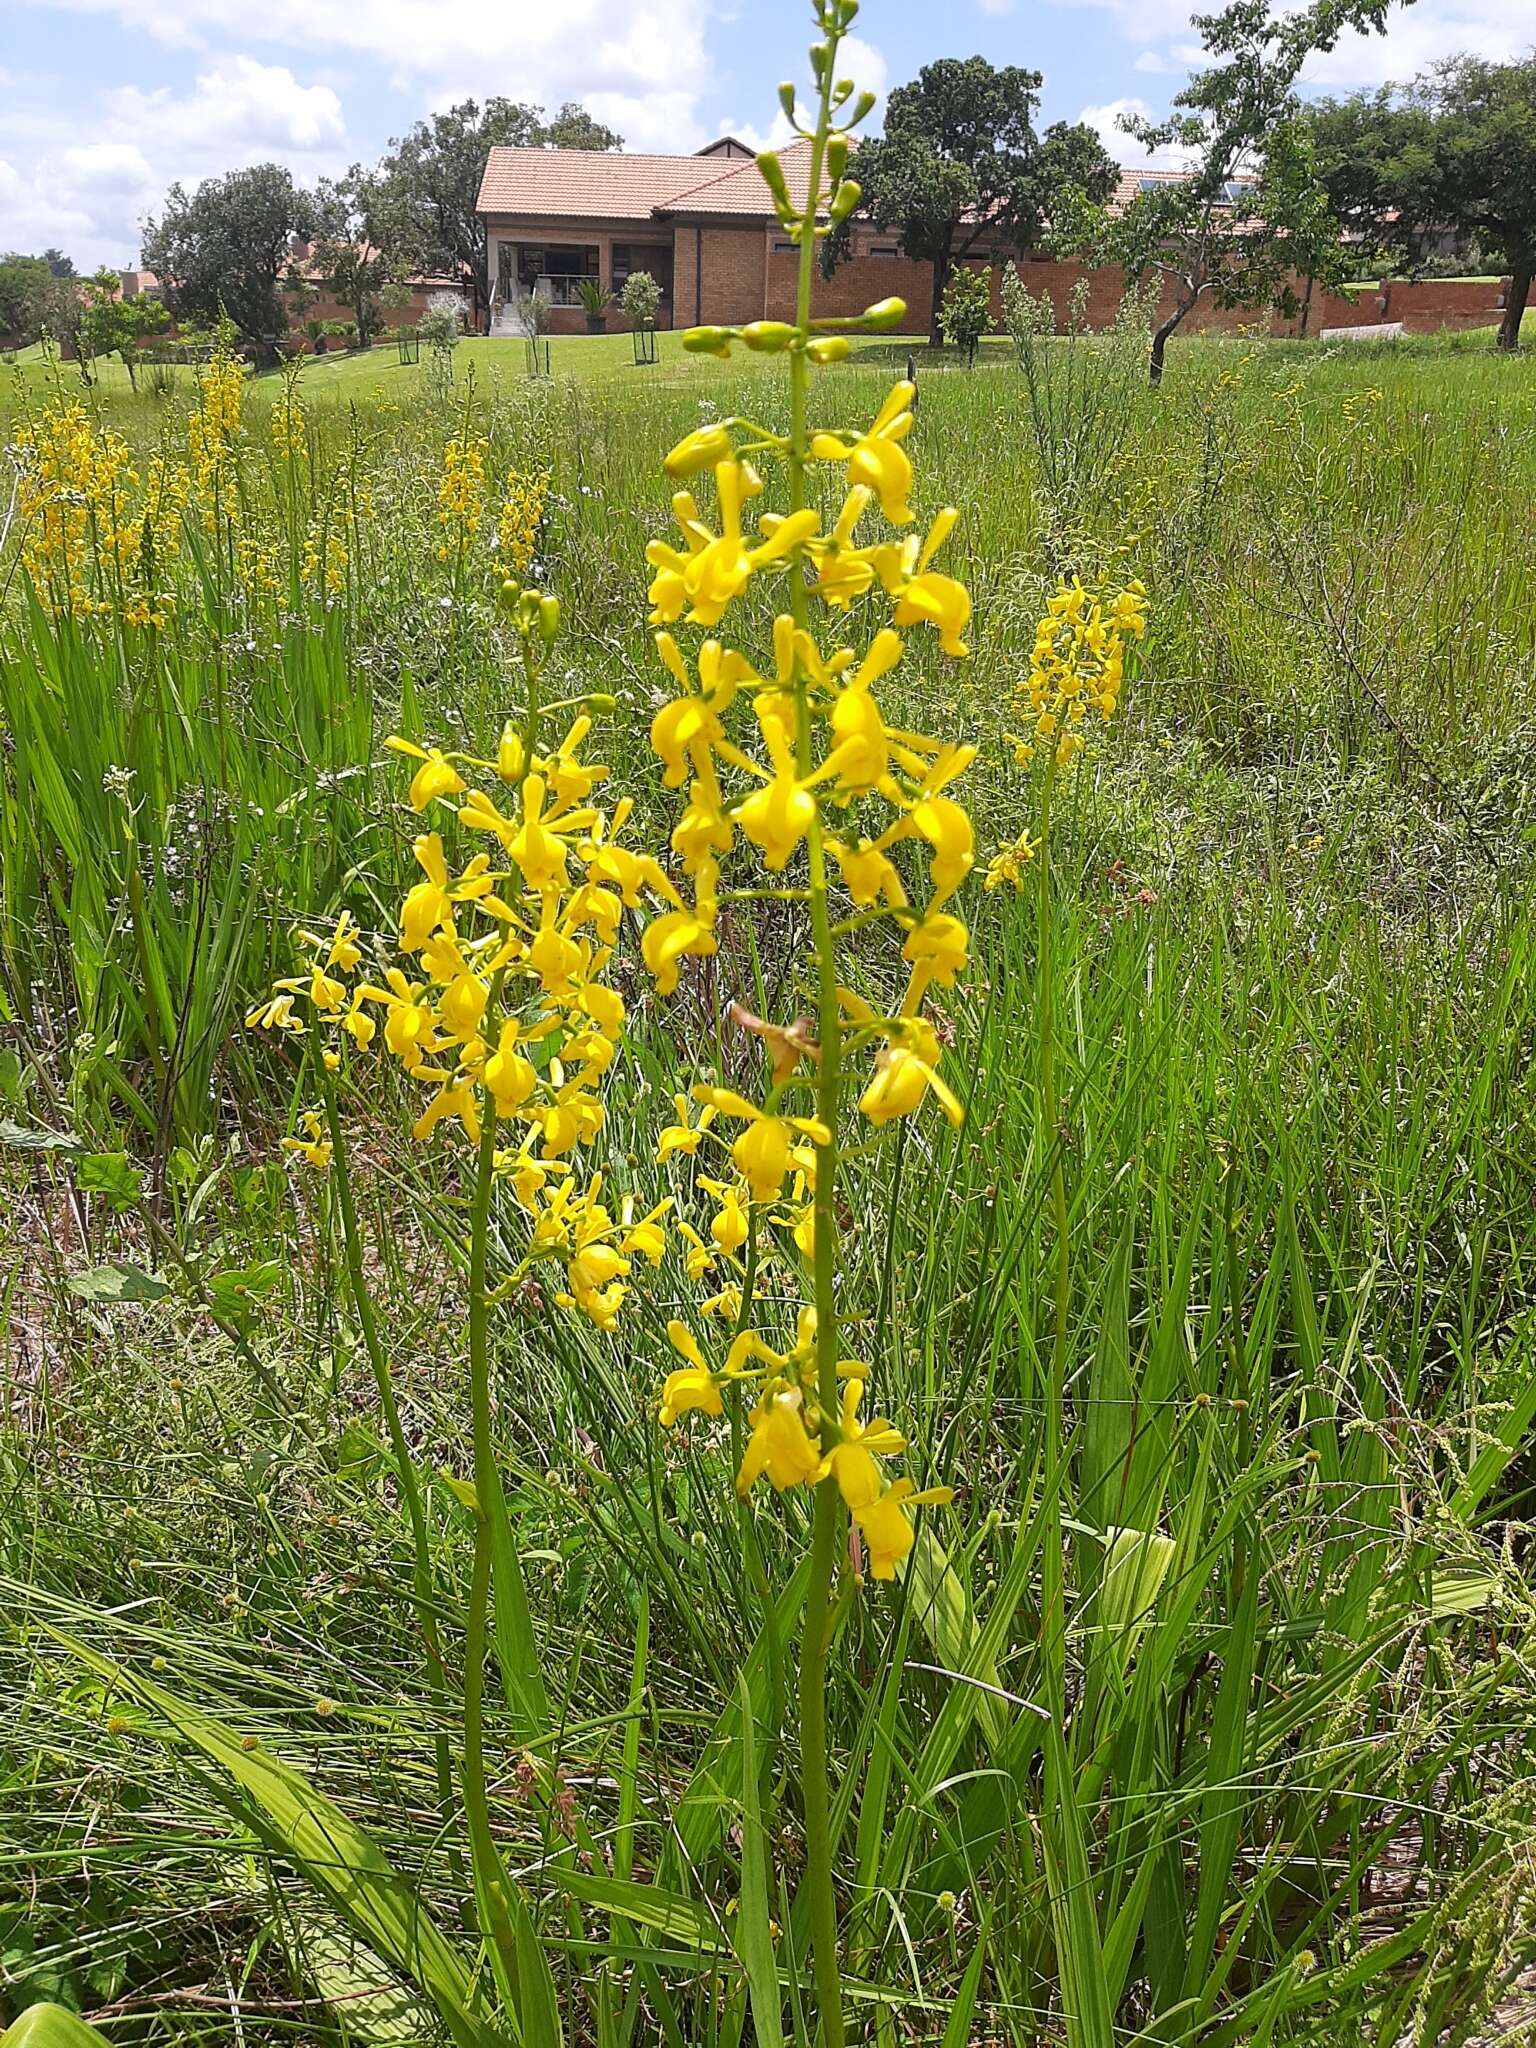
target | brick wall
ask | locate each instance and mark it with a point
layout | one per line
(729, 272)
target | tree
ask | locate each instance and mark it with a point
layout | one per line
(960, 166)
(59, 264)
(113, 325)
(421, 199)
(1477, 170)
(344, 259)
(27, 292)
(1366, 147)
(223, 248)
(1250, 213)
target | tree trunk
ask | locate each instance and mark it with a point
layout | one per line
(1160, 340)
(133, 376)
(1514, 305)
(1306, 306)
(942, 265)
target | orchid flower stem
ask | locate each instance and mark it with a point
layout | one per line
(405, 1464)
(828, 1508)
(486, 1477)
(1052, 1142)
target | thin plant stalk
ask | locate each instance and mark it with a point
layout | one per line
(405, 1464)
(827, 1510)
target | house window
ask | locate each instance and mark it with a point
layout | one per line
(653, 257)
(883, 249)
(555, 273)
(786, 249)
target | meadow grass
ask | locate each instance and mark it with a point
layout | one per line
(1292, 939)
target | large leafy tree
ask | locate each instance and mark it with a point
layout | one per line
(1455, 151)
(421, 200)
(961, 167)
(31, 298)
(221, 249)
(345, 260)
(1365, 146)
(1250, 213)
(1477, 172)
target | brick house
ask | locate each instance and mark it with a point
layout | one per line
(704, 227)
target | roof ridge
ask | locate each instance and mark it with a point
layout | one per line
(738, 169)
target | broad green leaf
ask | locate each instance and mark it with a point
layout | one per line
(1136, 1563)
(344, 1864)
(112, 1174)
(117, 1283)
(50, 2026)
(29, 1138)
(751, 1932)
(538, 2000)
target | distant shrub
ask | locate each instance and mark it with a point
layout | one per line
(640, 298)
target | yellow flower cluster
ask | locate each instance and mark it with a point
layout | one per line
(517, 527)
(92, 543)
(791, 1442)
(75, 522)
(325, 557)
(790, 763)
(496, 998)
(287, 422)
(461, 489)
(214, 430)
(1077, 665)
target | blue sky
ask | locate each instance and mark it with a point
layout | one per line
(104, 102)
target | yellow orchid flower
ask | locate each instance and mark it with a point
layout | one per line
(852, 1459)
(436, 776)
(876, 458)
(778, 1444)
(884, 1525)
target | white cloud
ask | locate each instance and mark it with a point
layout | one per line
(1419, 36)
(1125, 149)
(638, 56)
(237, 106)
(1416, 36)
(90, 197)
(995, 7)
(859, 60)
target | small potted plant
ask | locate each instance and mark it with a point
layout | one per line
(315, 329)
(595, 299)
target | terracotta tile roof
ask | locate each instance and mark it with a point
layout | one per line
(595, 184)
(598, 184)
(741, 188)
(1133, 178)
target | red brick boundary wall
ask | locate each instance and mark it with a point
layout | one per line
(749, 274)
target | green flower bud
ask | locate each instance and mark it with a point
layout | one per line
(884, 317)
(508, 595)
(787, 98)
(768, 337)
(828, 348)
(549, 618)
(601, 700)
(709, 341)
(861, 108)
(773, 175)
(844, 200)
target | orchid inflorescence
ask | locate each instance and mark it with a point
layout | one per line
(788, 765)
(498, 994)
